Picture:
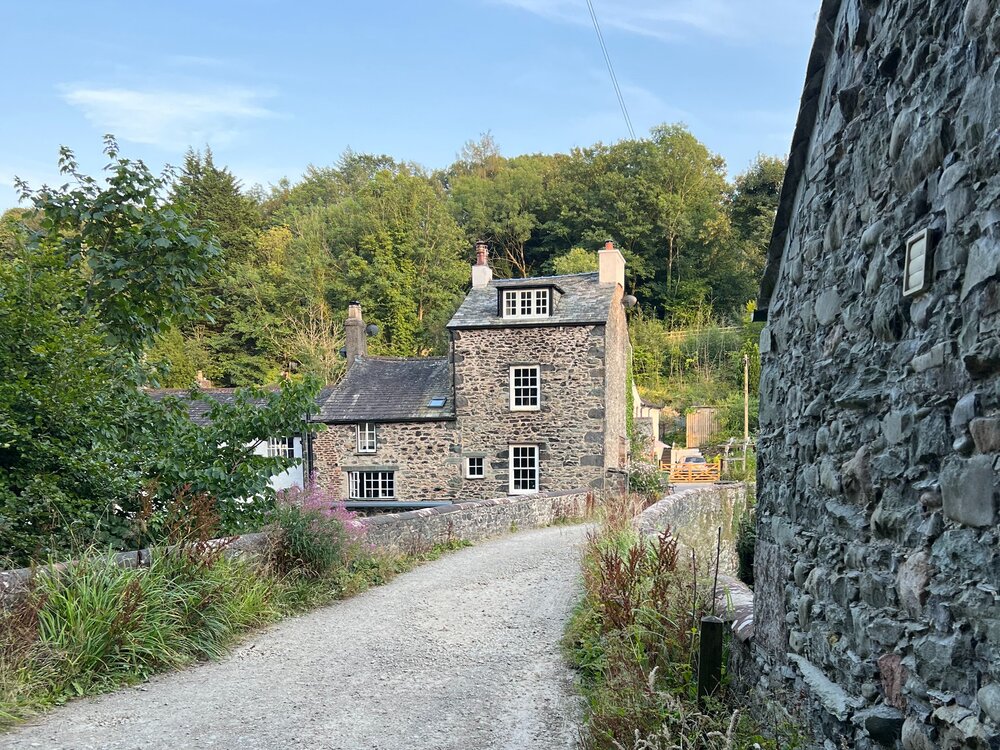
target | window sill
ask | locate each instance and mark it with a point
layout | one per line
(522, 492)
(525, 408)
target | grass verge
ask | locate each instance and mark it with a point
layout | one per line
(634, 641)
(95, 625)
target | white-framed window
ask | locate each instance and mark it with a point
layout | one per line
(525, 388)
(367, 437)
(523, 469)
(525, 303)
(372, 485)
(281, 447)
(475, 467)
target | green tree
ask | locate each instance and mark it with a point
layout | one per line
(577, 260)
(85, 455)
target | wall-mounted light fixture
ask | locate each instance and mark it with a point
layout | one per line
(918, 268)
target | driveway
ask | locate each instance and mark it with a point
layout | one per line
(462, 653)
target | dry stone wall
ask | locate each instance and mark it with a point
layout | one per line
(878, 563)
(569, 428)
(476, 520)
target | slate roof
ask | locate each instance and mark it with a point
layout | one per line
(197, 409)
(580, 299)
(389, 389)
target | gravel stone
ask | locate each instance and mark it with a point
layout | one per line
(462, 653)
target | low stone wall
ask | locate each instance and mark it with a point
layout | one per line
(410, 531)
(476, 520)
(694, 516)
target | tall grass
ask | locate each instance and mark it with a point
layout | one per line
(95, 624)
(634, 640)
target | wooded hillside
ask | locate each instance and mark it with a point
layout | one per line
(399, 239)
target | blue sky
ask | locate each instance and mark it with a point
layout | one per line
(276, 86)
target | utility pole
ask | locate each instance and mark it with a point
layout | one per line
(746, 399)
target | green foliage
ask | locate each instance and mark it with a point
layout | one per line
(634, 639)
(746, 539)
(577, 260)
(85, 456)
(309, 544)
(95, 624)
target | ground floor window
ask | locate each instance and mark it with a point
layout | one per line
(372, 485)
(475, 467)
(523, 469)
(281, 447)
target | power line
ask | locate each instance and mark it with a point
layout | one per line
(611, 69)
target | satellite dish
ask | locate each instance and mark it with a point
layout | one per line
(629, 301)
(371, 329)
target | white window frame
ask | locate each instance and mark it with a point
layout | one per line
(518, 392)
(527, 303)
(366, 435)
(283, 447)
(481, 474)
(515, 484)
(371, 485)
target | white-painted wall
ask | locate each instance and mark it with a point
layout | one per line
(291, 477)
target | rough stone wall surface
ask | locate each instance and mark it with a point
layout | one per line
(618, 348)
(878, 566)
(476, 520)
(424, 455)
(569, 426)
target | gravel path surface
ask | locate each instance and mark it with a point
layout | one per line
(462, 653)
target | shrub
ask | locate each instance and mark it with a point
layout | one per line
(646, 480)
(746, 542)
(315, 533)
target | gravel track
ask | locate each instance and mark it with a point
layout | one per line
(462, 652)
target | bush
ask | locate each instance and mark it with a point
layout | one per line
(316, 534)
(746, 541)
(646, 480)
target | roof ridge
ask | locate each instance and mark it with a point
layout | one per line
(375, 358)
(553, 276)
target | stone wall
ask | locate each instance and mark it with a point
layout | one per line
(569, 428)
(878, 565)
(475, 520)
(424, 455)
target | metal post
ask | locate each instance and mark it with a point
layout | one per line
(709, 657)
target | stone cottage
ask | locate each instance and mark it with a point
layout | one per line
(530, 398)
(878, 557)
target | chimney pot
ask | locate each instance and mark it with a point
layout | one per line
(611, 265)
(354, 333)
(482, 274)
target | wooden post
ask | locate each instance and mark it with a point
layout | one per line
(746, 397)
(709, 657)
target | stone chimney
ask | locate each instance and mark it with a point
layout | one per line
(482, 274)
(354, 332)
(611, 265)
(201, 381)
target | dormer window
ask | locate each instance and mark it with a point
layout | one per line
(526, 303)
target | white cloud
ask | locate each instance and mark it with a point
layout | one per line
(169, 119)
(744, 20)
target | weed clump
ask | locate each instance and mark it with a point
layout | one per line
(634, 640)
